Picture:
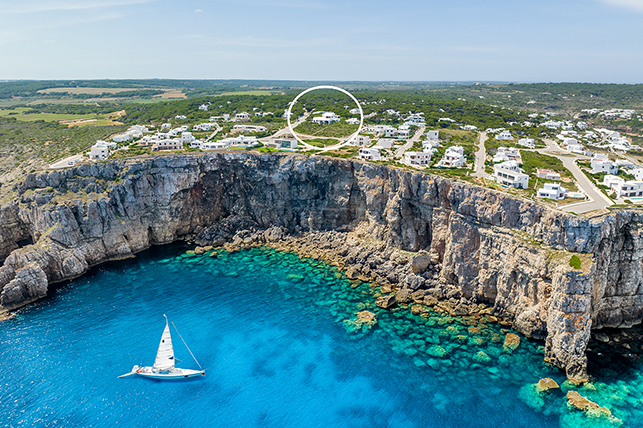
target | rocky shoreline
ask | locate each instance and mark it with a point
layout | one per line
(426, 240)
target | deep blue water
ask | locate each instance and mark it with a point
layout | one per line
(277, 338)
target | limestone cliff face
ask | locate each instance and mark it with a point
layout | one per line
(508, 253)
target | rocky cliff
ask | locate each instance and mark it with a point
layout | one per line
(464, 244)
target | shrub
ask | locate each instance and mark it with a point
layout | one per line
(574, 262)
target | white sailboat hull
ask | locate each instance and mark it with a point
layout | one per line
(172, 374)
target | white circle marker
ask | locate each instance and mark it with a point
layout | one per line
(352, 136)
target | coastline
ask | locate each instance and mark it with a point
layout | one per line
(448, 244)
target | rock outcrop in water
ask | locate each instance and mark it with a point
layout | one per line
(425, 236)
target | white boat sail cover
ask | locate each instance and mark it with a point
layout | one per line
(165, 354)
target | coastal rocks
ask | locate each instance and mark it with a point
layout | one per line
(546, 384)
(386, 302)
(420, 263)
(435, 241)
(512, 341)
(577, 401)
(29, 284)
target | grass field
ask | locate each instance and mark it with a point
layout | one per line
(90, 91)
(321, 142)
(66, 119)
(253, 92)
(337, 129)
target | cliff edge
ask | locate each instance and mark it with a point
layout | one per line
(466, 245)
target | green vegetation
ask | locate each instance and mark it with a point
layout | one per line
(531, 161)
(321, 142)
(337, 129)
(575, 262)
(28, 146)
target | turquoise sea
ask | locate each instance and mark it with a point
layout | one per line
(283, 347)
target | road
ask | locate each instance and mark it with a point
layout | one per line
(481, 156)
(597, 200)
(65, 163)
(409, 143)
(284, 131)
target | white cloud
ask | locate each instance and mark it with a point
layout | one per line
(636, 5)
(198, 11)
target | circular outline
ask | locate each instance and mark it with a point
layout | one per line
(354, 135)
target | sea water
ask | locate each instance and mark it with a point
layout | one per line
(283, 347)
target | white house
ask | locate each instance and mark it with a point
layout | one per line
(362, 140)
(433, 135)
(506, 153)
(180, 116)
(326, 118)
(204, 107)
(575, 147)
(283, 144)
(169, 144)
(240, 117)
(196, 144)
(352, 121)
(527, 142)
(122, 137)
(627, 189)
(638, 173)
(385, 143)
(166, 126)
(354, 111)
(552, 191)
(202, 127)
(403, 133)
(453, 157)
(504, 135)
(215, 145)
(99, 151)
(372, 153)
(547, 174)
(240, 141)
(417, 158)
(187, 137)
(601, 163)
(507, 174)
(249, 128)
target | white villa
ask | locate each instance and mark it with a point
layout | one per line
(504, 135)
(433, 135)
(249, 128)
(575, 147)
(362, 140)
(527, 142)
(202, 127)
(372, 153)
(547, 174)
(505, 154)
(509, 174)
(168, 144)
(453, 157)
(187, 137)
(417, 158)
(602, 163)
(354, 110)
(99, 151)
(385, 143)
(326, 118)
(180, 116)
(624, 189)
(289, 144)
(552, 191)
(240, 117)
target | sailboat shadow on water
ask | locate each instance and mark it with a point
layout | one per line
(163, 368)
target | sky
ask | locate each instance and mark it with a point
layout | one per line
(374, 40)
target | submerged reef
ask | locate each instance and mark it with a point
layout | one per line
(450, 246)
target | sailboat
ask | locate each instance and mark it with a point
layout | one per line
(163, 367)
